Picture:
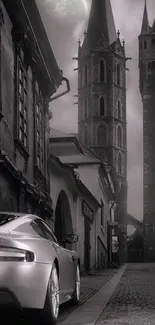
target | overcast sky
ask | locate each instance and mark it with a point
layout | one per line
(65, 22)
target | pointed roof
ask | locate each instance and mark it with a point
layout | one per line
(145, 23)
(101, 22)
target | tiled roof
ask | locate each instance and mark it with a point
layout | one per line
(70, 151)
(64, 149)
(59, 134)
(78, 159)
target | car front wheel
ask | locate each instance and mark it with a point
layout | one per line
(51, 309)
(76, 294)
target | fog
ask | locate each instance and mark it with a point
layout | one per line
(65, 22)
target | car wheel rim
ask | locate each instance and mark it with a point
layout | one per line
(78, 283)
(55, 293)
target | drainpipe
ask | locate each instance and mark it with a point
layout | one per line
(113, 202)
(64, 92)
(96, 233)
(110, 234)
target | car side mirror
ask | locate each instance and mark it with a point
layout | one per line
(71, 238)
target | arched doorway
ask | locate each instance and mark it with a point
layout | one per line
(136, 247)
(63, 219)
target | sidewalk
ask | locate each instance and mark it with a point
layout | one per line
(89, 312)
(90, 284)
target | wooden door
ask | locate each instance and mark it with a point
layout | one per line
(87, 246)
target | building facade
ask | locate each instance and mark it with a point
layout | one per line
(75, 211)
(95, 178)
(29, 76)
(102, 99)
(90, 220)
(147, 90)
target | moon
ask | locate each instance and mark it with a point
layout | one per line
(66, 8)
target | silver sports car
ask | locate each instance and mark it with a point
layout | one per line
(35, 271)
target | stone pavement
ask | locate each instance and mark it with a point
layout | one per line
(90, 284)
(88, 313)
(133, 302)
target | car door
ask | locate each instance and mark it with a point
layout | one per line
(66, 262)
(67, 268)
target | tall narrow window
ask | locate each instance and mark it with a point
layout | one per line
(85, 74)
(102, 135)
(102, 106)
(86, 135)
(102, 213)
(102, 70)
(39, 129)
(119, 113)
(145, 45)
(119, 136)
(85, 108)
(153, 42)
(118, 74)
(119, 164)
(22, 104)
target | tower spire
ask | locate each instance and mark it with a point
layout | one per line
(145, 23)
(101, 22)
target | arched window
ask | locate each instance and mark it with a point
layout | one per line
(86, 135)
(119, 137)
(153, 42)
(102, 135)
(102, 106)
(151, 65)
(85, 108)
(118, 74)
(119, 164)
(85, 74)
(145, 45)
(119, 113)
(102, 70)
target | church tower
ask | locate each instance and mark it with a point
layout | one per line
(147, 90)
(102, 95)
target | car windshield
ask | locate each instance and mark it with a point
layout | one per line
(5, 218)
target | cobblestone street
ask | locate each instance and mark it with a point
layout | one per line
(133, 301)
(90, 284)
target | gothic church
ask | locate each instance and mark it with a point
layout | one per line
(102, 96)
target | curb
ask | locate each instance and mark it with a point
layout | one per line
(90, 312)
(84, 299)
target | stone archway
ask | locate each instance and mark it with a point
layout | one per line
(137, 224)
(63, 219)
(135, 242)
